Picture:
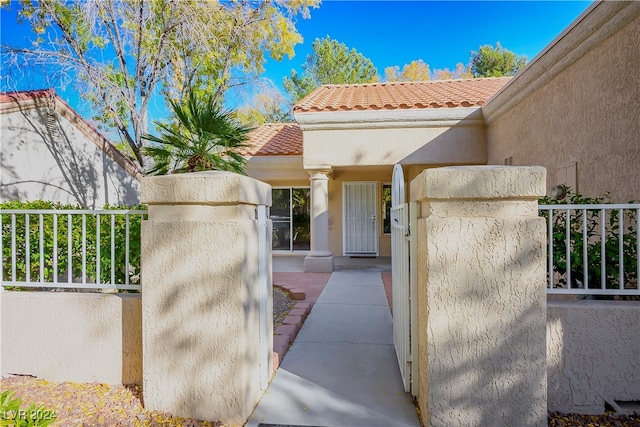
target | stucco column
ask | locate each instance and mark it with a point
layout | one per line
(481, 296)
(319, 258)
(204, 337)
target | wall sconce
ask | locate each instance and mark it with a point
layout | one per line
(559, 192)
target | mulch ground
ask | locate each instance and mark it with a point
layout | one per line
(556, 419)
(95, 405)
(116, 405)
(282, 305)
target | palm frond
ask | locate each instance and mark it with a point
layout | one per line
(204, 136)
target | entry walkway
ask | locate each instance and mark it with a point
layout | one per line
(342, 368)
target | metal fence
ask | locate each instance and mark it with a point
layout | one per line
(593, 249)
(81, 249)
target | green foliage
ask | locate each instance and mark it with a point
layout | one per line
(266, 107)
(124, 56)
(12, 415)
(331, 62)
(496, 61)
(72, 229)
(203, 137)
(593, 223)
(415, 71)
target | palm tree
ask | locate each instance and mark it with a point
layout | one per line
(204, 137)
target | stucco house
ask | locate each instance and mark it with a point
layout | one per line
(49, 152)
(574, 109)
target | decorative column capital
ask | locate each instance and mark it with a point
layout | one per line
(319, 172)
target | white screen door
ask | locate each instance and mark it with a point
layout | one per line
(360, 221)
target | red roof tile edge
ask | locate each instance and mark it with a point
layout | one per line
(274, 139)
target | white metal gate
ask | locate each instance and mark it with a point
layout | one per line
(264, 284)
(403, 271)
(360, 206)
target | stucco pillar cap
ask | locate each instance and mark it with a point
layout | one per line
(480, 182)
(205, 188)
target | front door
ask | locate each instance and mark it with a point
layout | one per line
(360, 231)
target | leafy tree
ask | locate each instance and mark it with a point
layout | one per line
(203, 137)
(265, 107)
(331, 62)
(460, 72)
(415, 71)
(496, 61)
(418, 70)
(125, 55)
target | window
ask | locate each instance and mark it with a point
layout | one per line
(290, 215)
(386, 208)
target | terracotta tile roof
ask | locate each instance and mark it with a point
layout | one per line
(402, 95)
(26, 94)
(274, 139)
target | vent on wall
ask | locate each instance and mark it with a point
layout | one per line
(508, 161)
(52, 122)
(568, 175)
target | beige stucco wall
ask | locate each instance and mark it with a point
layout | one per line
(59, 164)
(574, 110)
(70, 336)
(481, 297)
(201, 297)
(592, 354)
(368, 138)
(278, 170)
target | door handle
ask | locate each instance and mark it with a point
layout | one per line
(373, 217)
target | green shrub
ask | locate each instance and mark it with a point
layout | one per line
(12, 415)
(72, 229)
(593, 222)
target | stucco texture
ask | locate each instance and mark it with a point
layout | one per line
(70, 336)
(58, 163)
(201, 302)
(481, 302)
(440, 145)
(593, 354)
(586, 119)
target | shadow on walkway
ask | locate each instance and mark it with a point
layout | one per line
(342, 368)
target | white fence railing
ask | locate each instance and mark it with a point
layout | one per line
(82, 249)
(593, 249)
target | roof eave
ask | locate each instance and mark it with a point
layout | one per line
(596, 24)
(400, 118)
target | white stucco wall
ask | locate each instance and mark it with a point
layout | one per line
(72, 336)
(58, 162)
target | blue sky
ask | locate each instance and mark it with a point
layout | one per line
(442, 33)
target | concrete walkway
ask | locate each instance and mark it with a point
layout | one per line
(342, 368)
